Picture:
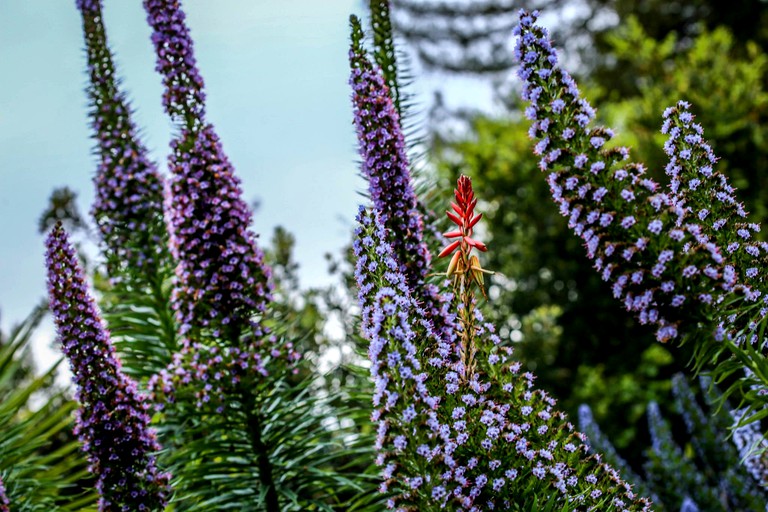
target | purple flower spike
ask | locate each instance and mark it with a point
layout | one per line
(4, 503)
(184, 98)
(128, 208)
(222, 280)
(112, 421)
(385, 165)
(668, 258)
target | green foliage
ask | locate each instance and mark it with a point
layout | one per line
(40, 463)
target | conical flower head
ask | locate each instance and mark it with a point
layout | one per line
(222, 281)
(128, 208)
(659, 249)
(385, 165)
(112, 421)
(480, 444)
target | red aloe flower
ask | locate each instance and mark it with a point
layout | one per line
(463, 215)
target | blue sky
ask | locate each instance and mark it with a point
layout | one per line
(276, 78)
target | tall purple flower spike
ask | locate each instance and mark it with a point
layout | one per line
(222, 279)
(385, 165)
(112, 421)
(4, 503)
(475, 445)
(222, 283)
(128, 208)
(184, 97)
(665, 252)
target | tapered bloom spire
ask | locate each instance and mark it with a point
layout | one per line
(463, 442)
(112, 421)
(184, 97)
(385, 165)
(222, 286)
(128, 208)
(222, 281)
(664, 251)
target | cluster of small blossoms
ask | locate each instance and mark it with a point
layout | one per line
(707, 200)
(4, 503)
(184, 96)
(128, 207)
(599, 443)
(481, 444)
(752, 447)
(211, 373)
(669, 471)
(654, 246)
(112, 421)
(222, 280)
(222, 284)
(386, 167)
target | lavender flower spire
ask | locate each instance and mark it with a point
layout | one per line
(222, 284)
(128, 208)
(385, 165)
(4, 503)
(667, 468)
(222, 281)
(112, 421)
(711, 446)
(483, 441)
(184, 98)
(657, 248)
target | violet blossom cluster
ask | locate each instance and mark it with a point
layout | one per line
(128, 207)
(752, 447)
(222, 280)
(482, 444)
(184, 95)
(112, 421)
(222, 286)
(4, 503)
(381, 144)
(661, 249)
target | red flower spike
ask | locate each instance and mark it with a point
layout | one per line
(475, 220)
(463, 215)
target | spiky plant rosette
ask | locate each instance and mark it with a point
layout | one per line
(113, 420)
(466, 433)
(682, 256)
(128, 208)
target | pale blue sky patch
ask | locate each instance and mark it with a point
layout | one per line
(276, 79)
